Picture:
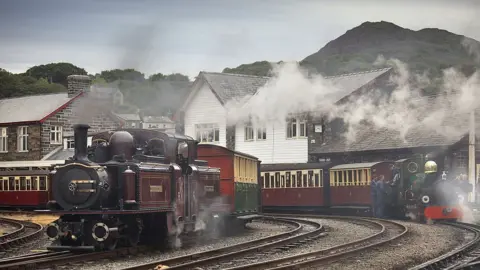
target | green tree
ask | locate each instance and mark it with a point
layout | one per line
(177, 77)
(156, 77)
(55, 72)
(122, 74)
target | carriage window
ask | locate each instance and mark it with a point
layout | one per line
(23, 183)
(267, 178)
(43, 183)
(282, 181)
(305, 182)
(277, 179)
(272, 181)
(1, 184)
(34, 183)
(340, 178)
(299, 178)
(349, 178)
(287, 179)
(310, 179)
(294, 182)
(317, 180)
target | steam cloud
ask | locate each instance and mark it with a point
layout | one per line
(291, 91)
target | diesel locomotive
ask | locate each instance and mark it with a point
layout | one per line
(136, 186)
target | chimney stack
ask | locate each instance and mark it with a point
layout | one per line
(80, 136)
(77, 84)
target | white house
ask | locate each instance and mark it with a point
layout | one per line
(205, 116)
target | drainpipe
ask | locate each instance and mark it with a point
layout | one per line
(471, 156)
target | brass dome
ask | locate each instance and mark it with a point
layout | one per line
(430, 167)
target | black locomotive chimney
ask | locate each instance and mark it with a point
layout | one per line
(80, 136)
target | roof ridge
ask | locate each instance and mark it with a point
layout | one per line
(37, 95)
(357, 73)
(235, 74)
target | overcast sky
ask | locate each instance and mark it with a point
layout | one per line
(188, 36)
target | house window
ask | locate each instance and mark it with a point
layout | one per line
(22, 139)
(262, 133)
(302, 128)
(296, 128)
(68, 143)
(292, 128)
(207, 132)
(3, 140)
(55, 135)
(249, 133)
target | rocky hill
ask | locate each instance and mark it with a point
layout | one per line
(425, 50)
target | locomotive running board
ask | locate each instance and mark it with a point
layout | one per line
(71, 248)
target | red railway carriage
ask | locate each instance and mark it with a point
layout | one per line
(294, 186)
(26, 184)
(238, 177)
(350, 183)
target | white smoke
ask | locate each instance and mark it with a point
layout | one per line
(289, 91)
(399, 106)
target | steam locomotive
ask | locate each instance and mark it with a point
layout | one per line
(137, 186)
(429, 195)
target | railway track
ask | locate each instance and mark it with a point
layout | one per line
(222, 257)
(389, 231)
(51, 259)
(26, 231)
(465, 257)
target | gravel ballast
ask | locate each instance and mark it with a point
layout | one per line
(257, 229)
(422, 243)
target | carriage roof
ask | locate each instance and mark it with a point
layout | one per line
(357, 165)
(224, 149)
(294, 166)
(31, 163)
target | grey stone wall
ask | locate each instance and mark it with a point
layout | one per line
(77, 84)
(82, 110)
(34, 144)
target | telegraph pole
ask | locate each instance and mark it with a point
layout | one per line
(471, 156)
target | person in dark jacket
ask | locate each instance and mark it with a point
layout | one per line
(381, 196)
(373, 193)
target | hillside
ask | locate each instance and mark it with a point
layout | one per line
(424, 50)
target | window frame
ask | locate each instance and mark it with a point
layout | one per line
(4, 140)
(249, 132)
(56, 130)
(296, 128)
(261, 133)
(22, 146)
(202, 130)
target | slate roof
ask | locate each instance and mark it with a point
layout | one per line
(227, 86)
(31, 108)
(63, 154)
(128, 116)
(449, 130)
(157, 119)
(348, 83)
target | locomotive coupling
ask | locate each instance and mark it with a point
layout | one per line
(100, 231)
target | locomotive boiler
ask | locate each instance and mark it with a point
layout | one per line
(135, 187)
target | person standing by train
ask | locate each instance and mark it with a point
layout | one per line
(381, 196)
(373, 193)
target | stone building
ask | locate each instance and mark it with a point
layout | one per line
(36, 127)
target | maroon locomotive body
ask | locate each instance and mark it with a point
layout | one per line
(136, 186)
